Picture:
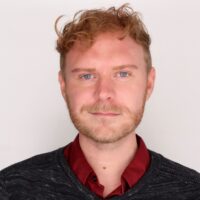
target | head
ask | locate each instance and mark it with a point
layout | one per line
(106, 74)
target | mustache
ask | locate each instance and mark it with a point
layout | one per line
(99, 107)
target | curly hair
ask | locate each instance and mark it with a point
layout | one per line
(87, 24)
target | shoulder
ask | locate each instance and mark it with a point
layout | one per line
(45, 176)
(175, 170)
(31, 164)
(31, 174)
(173, 179)
(166, 179)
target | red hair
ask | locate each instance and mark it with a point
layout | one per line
(86, 25)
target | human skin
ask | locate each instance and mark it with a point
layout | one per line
(106, 87)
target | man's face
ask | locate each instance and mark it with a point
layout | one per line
(106, 87)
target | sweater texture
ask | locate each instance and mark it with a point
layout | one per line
(49, 177)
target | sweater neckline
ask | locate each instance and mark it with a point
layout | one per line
(89, 195)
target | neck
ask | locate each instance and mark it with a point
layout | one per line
(109, 160)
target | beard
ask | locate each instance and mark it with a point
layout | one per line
(105, 129)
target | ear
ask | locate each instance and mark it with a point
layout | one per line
(150, 82)
(61, 80)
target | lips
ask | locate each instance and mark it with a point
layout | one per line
(106, 114)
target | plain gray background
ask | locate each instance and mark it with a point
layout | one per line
(33, 115)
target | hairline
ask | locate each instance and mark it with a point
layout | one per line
(147, 53)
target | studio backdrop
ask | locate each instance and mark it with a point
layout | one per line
(33, 115)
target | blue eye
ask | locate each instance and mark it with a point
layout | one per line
(87, 76)
(123, 74)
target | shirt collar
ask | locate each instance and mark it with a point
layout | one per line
(139, 164)
(77, 161)
(131, 175)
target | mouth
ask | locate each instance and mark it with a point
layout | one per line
(105, 114)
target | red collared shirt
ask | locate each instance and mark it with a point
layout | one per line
(131, 175)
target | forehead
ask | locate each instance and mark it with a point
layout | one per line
(108, 49)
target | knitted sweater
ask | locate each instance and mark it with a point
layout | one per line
(49, 177)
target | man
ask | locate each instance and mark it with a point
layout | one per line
(106, 77)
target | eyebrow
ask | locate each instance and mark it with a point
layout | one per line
(125, 66)
(83, 69)
(120, 67)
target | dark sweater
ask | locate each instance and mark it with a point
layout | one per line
(49, 177)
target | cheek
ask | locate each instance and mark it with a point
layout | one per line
(132, 97)
(77, 98)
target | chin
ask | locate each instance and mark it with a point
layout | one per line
(106, 135)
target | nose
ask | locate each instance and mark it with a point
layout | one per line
(105, 89)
